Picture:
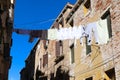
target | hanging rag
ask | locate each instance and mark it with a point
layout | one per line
(102, 30)
(52, 34)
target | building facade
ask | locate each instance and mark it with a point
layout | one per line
(97, 61)
(51, 61)
(27, 73)
(6, 25)
(72, 60)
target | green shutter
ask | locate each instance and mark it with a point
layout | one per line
(72, 53)
(88, 48)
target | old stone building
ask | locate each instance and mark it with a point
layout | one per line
(51, 61)
(97, 61)
(6, 25)
(72, 59)
(27, 73)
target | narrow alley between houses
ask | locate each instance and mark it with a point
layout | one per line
(59, 40)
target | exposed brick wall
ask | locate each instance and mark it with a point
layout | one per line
(112, 48)
(109, 52)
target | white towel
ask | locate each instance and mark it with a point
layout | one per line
(52, 34)
(70, 33)
(59, 34)
(80, 33)
(90, 30)
(65, 32)
(102, 30)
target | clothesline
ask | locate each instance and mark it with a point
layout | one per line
(36, 23)
(98, 30)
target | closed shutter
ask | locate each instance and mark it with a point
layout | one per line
(57, 49)
(88, 48)
(45, 60)
(72, 53)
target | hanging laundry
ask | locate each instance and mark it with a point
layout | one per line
(22, 31)
(62, 33)
(44, 35)
(71, 33)
(65, 32)
(36, 33)
(52, 34)
(78, 32)
(89, 30)
(81, 33)
(102, 30)
(59, 34)
(75, 31)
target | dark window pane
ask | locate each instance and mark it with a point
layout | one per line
(90, 78)
(72, 53)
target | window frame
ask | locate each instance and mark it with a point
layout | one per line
(88, 47)
(72, 54)
(107, 16)
(89, 78)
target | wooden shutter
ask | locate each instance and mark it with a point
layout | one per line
(72, 53)
(88, 47)
(45, 60)
(57, 49)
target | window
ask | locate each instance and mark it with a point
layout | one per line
(90, 78)
(72, 23)
(88, 47)
(111, 74)
(59, 52)
(86, 7)
(40, 63)
(45, 42)
(59, 48)
(45, 60)
(88, 4)
(72, 53)
(106, 15)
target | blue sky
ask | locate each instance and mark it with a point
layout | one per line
(29, 14)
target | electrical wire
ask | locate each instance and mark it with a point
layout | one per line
(31, 24)
(40, 22)
(97, 66)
